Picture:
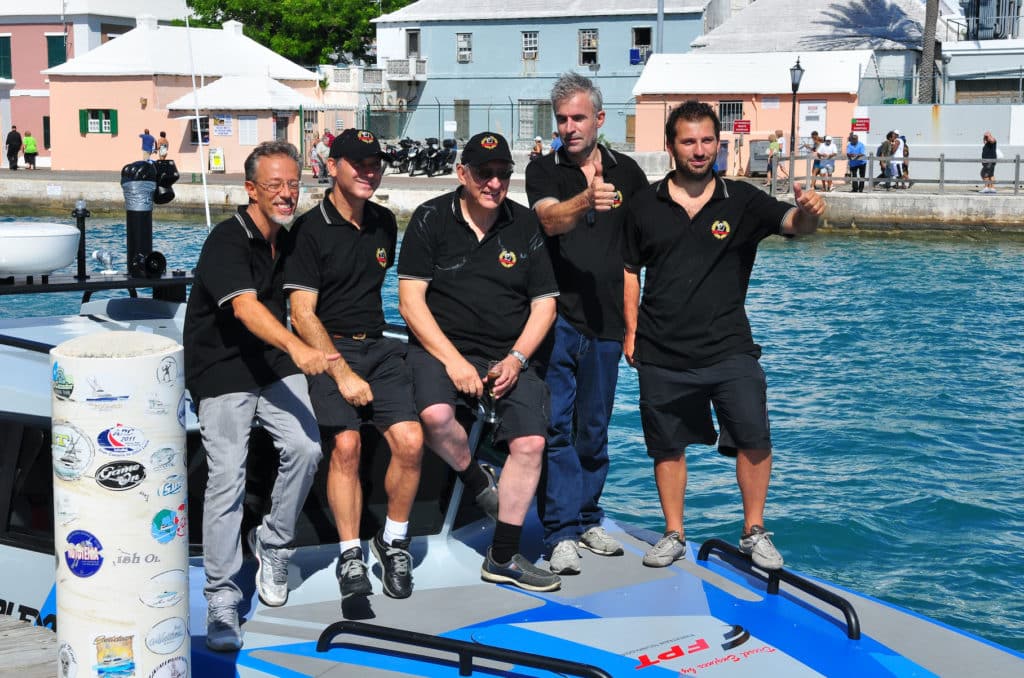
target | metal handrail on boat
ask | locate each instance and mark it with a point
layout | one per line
(775, 576)
(465, 650)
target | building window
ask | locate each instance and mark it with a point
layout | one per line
(641, 45)
(464, 47)
(56, 50)
(588, 46)
(97, 121)
(461, 118)
(412, 44)
(46, 132)
(5, 57)
(204, 126)
(534, 118)
(729, 111)
(247, 132)
(531, 42)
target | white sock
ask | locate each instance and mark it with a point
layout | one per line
(348, 544)
(394, 530)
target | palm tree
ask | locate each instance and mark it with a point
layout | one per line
(926, 85)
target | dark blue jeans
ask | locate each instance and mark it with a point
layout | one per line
(581, 374)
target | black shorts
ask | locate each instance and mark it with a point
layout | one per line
(523, 411)
(381, 362)
(988, 170)
(675, 407)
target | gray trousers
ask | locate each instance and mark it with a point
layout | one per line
(284, 410)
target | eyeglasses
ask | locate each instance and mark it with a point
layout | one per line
(276, 186)
(488, 173)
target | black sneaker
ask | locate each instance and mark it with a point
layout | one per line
(519, 572)
(396, 565)
(351, 574)
(487, 499)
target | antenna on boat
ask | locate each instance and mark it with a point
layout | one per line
(199, 127)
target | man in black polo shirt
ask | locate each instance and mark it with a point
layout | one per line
(476, 288)
(334, 274)
(581, 194)
(690, 340)
(242, 363)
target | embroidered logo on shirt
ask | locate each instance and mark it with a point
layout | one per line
(382, 257)
(617, 201)
(720, 229)
(489, 143)
(365, 137)
(507, 259)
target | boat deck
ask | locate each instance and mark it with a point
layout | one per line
(25, 650)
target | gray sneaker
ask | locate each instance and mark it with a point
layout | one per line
(519, 572)
(670, 548)
(565, 558)
(222, 632)
(596, 539)
(487, 500)
(272, 570)
(758, 545)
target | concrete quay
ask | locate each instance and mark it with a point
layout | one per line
(922, 207)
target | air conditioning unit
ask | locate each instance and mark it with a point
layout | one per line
(529, 56)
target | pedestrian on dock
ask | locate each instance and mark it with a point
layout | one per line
(148, 144)
(31, 150)
(855, 152)
(989, 151)
(13, 144)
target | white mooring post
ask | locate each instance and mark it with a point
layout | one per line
(119, 493)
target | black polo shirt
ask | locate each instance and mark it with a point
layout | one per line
(344, 265)
(692, 311)
(221, 355)
(588, 259)
(480, 291)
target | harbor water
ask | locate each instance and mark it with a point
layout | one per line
(896, 393)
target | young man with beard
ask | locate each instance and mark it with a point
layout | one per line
(475, 286)
(242, 363)
(581, 194)
(690, 340)
(334, 274)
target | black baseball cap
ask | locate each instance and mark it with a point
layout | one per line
(355, 145)
(484, 147)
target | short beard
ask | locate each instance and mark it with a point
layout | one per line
(689, 175)
(283, 221)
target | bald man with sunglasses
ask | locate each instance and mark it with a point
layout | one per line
(475, 286)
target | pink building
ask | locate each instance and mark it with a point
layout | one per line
(40, 34)
(101, 102)
(756, 88)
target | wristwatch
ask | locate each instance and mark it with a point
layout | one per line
(524, 362)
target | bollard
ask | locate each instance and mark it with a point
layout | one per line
(138, 182)
(80, 213)
(119, 490)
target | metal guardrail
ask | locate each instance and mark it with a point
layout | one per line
(873, 179)
(734, 556)
(466, 651)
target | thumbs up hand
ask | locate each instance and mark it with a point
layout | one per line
(602, 194)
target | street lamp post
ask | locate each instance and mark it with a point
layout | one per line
(795, 74)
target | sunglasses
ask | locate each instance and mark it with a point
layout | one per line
(488, 173)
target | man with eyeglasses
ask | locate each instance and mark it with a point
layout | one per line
(241, 364)
(334, 275)
(476, 288)
(581, 195)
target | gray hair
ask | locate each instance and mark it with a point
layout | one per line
(268, 148)
(569, 84)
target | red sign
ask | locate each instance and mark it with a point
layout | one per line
(860, 125)
(741, 126)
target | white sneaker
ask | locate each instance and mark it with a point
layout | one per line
(222, 631)
(669, 549)
(271, 571)
(565, 558)
(758, 545)
(598, 540)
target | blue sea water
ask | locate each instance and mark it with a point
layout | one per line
(895, 368)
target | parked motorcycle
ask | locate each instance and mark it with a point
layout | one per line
(444, 160)
(397, 157)
(417, 158)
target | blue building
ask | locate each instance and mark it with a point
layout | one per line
(456, 67)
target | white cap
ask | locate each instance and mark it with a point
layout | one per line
(896, 132)
(538, 139)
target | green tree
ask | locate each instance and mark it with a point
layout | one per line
(309, 32)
